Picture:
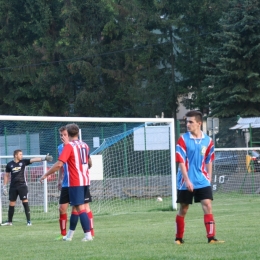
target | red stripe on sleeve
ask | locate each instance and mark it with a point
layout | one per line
(182, 143)
(179, 158)
(208, 151)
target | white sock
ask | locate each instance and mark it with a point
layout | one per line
(70, 233)
(88, 235)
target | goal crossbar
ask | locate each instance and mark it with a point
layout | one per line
(86, 119)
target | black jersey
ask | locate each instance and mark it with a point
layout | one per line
(17, 172)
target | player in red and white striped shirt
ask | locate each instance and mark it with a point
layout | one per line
(76, 154)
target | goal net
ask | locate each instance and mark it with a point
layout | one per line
(133, 162)
(236, 172)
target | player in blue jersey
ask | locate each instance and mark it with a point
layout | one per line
(64, 196)
(195, 154)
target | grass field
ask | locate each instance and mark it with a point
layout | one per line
(144, 235)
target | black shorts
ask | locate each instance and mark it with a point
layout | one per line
(65, 198)
(88, 197)
(186, 197)
(64, 195)
(21, 190)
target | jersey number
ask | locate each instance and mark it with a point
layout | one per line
(83, 155)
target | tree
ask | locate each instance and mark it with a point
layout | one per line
(233, 66)
(189, 27)
(134, 75)
(29, 31)
(83, 22)
(15, 36)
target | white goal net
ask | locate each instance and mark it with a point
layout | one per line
(236, 172)
(133, 162)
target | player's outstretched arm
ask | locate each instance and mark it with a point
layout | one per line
(47, 158)
(56, 167)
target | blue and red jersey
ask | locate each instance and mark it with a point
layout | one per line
(65, 168)
(195, 154)
(76, 154)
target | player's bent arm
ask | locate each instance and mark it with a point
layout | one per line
(56, 167)
(60, 177)
(65, 139)
(89, 162)
(209, 170)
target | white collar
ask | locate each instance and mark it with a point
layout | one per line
(192, 137)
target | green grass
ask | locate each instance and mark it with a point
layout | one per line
(144, 235)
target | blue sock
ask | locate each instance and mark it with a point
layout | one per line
(84, 220)
(74, 217)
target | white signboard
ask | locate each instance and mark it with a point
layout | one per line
(96, 142)
(151, 138)
(96, 171)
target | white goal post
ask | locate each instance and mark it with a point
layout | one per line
(133, 158)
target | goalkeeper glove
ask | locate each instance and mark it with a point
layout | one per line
(48, 158)
(5, 190)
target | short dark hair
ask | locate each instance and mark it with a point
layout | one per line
(73, 130)
(62, 128)
(195, 113)
(17, 151)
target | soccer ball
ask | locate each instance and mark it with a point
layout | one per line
(159, 199)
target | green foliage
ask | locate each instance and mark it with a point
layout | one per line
(29, 32)
(227, 138)
(83, 22)
(234, 63)
(190, 24)
(140, 84)
(128, 58)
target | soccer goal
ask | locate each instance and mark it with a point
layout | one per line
(236, 172)
(133, 161)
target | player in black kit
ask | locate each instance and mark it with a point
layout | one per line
(18, 184)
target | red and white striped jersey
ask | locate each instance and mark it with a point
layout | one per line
(76, 155)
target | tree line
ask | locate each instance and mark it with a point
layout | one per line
(129, 58)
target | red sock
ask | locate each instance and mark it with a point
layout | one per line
(179, 226)
(63, 224)
(210, 225)
(90, 216)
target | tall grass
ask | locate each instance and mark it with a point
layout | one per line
(144, 235)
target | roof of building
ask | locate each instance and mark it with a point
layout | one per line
(245, 123)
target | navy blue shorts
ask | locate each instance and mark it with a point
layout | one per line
(78, 195)
(186, 197)
(65, 198)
